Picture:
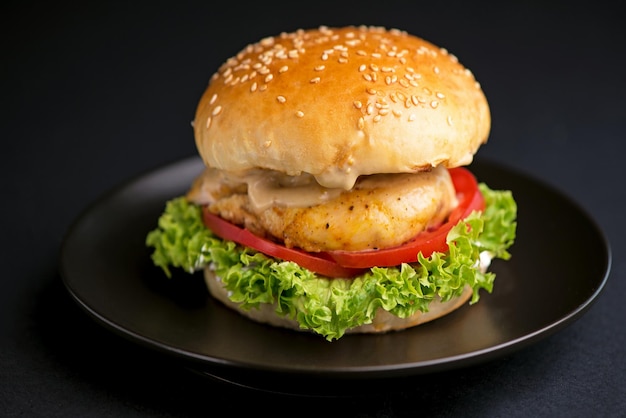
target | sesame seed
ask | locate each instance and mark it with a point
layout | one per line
(217, 110)
(362, 67)
(377, 118)
(411, 117)
(361, 123)
(300, 114)
(370, 109)
(253, 87)
(315, 80)
(358, 104)
(367, 77)
(281, 99)
(268, 41)
(267, 143)
(208, 122)
(371, 91)
(283, 69)
(213, 98)
(440, 95)
(436, 70)
(269, 78)
(434, 104)
(320, 68)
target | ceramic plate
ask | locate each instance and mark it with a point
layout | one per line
(107, 269)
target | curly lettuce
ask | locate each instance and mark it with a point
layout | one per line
(329, 307)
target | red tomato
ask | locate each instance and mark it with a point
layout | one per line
(312, 261)
(351, 263)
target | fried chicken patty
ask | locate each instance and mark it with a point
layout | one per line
(380, 211)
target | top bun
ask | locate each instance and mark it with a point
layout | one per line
(340, 102)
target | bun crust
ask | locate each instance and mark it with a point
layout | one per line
(383, 321)
(340, 102)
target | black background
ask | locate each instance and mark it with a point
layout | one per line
(94, 94)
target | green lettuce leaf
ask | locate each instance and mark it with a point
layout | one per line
(331, 306)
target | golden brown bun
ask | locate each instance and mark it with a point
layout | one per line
(341, 102)
(383, 321)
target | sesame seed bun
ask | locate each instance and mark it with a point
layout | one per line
(340, 102)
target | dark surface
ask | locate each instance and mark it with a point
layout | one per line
(95, 95)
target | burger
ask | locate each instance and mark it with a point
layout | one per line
(336, 196)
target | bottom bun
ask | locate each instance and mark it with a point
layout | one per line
(382, 322)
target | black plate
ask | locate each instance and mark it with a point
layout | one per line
(106, 268)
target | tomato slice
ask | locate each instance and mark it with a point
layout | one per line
(469, 199)
(351, 263)
(315, 262)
